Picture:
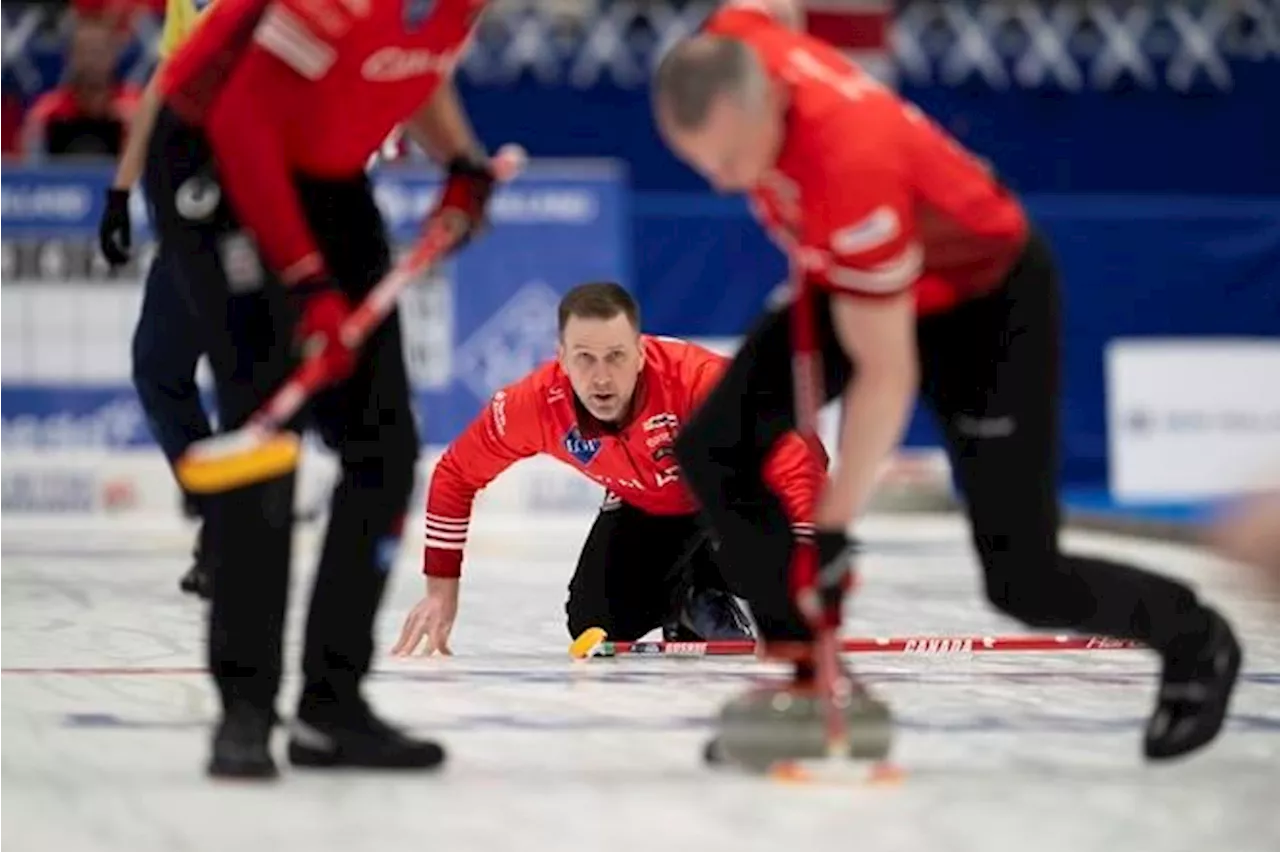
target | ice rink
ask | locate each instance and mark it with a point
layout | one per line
(106, 718)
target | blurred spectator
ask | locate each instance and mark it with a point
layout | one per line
(88, 113)
(119, 9)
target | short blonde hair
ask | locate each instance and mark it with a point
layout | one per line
(698, 71)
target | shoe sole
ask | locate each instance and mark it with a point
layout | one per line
(222, 772)
(307, 759)
(1220, 711)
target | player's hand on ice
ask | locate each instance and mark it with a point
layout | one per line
(466, 194)
(826, 578)
(115, 231)
(431, 619)
(322, 309)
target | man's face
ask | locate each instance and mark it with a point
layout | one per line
(603, 360)
(91, 57)
(737, 143)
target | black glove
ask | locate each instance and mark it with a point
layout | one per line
(115, 231)
(466, 195)
(820, 595)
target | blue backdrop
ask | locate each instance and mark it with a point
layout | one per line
(487, 318)
(1158, 185)
(1132, 266)
(1116, 141)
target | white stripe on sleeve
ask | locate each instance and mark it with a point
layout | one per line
(287, 37)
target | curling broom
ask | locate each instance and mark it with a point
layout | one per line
(261, 449)
(594, 642)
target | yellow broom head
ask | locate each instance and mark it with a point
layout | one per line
(237, 459)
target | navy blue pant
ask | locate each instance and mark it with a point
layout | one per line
(165, 351)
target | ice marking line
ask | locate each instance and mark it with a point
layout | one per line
(987, 723)
(574, 674)
(165, 547)
(139, 551)
(103, 671)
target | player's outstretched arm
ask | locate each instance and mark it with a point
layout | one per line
(441, 128)
(508, 430)
(861, 244)
(132, 158)
(879, 336)
(244, 131)
(245, 128)
(115, 231)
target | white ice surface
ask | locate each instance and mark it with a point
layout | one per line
(1021, 752)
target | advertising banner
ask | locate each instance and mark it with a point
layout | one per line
(473, 325)
(1192, 419)
(76, 440)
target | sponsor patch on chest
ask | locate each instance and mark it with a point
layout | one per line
(392, 64)
(584, 450)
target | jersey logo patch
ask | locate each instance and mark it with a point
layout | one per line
(582, 449)
(875, 230)
(197, 198)
(415, 12)
(665, 420)
(499, 409)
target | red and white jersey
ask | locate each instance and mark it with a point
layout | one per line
(308, 87)
(634, 461)
(868, 196)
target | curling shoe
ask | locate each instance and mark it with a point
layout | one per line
(348, 734)
(1195, 689)
(242, 744)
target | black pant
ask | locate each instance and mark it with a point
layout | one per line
(247, 328)
(990, 376)
(166, 350)
(635, 568)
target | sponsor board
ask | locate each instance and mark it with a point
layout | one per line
(1192, 419)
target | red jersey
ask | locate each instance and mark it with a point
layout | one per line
(635, 462)
(310, 87)
(868, 196)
